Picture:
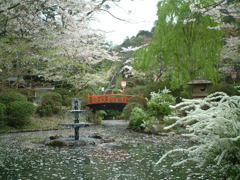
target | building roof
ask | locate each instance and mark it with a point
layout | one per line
(15, 79)
(199, 80)
(45, 87)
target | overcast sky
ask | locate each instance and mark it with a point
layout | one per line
(140, 13)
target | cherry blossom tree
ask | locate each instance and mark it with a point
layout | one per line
(58, 35)
(15, 58)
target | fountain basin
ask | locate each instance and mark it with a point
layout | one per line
(75, 125)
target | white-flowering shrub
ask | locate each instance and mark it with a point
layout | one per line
(236, 87)
(214, 123)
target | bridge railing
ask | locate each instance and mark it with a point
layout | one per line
(109, 98)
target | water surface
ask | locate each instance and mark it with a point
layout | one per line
(24, 156)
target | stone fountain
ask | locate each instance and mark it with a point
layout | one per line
(76, 110)
(94, 139)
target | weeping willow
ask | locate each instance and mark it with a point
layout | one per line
(186, 42)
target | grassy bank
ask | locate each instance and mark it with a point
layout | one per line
(39, 123)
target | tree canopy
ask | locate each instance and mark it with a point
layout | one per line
(187, 41)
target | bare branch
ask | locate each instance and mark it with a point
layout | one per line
(14, 6)
(97, 7)
(116, 16)
(215, 4)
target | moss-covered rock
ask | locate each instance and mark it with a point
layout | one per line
(57, 143)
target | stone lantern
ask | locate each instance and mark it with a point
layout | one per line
(199, 87)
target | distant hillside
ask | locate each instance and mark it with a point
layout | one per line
(140, 39)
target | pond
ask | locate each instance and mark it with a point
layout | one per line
(24, 156)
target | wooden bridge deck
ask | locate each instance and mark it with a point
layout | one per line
(109, 101)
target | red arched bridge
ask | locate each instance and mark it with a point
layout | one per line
(109, 101)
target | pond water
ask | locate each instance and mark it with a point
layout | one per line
(24, 156)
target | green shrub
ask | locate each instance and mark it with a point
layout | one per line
(115, 91)
(157, 108)
(147, 88)
(159, 104)
(51, 96)
(150, 123)
(182, 92)
(66, 95)
(51, 103)
(2, 116)
(129, 107)
(185, 94)
(19, 113)
(168, 121)
(136, 90)
(162, 110)
(29, 93)
(112, 114)
(137, 99)
(10, 97)
(137, 118)
(45, 110)
(2, 110)
(226, 88)
(100, 115)
(155, 87)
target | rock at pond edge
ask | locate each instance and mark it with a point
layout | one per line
(57, 143)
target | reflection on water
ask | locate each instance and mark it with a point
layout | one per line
(23, 156)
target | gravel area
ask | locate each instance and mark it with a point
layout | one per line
(123, 123)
